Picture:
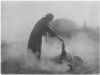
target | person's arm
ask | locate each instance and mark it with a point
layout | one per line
(53, 32)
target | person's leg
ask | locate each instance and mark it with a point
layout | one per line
(39, 42)
(32, 45)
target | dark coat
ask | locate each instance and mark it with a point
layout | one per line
(35, 38)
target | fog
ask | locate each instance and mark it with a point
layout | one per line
(18, 18)
(78, 21)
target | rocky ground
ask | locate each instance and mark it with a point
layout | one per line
(76, 67)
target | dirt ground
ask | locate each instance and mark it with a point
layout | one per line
(14, 67)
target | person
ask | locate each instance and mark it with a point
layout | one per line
(40, 29)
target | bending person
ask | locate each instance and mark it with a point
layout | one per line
(40, 29)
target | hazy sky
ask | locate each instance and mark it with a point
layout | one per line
(18, 18)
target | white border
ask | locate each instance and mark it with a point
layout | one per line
(50, 0)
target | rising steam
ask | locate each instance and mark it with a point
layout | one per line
(80, 44)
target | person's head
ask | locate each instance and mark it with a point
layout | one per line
(49, 17)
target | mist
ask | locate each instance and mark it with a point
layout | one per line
(18, 19)
(78, 44)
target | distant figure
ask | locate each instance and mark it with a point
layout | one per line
(40, 29)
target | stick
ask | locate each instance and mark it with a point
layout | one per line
(58, 36)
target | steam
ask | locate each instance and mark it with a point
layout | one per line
(79, 44)
(28, 60)
(45, 64)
